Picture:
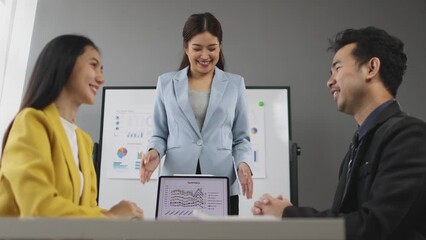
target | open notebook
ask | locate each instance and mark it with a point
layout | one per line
(179, 196)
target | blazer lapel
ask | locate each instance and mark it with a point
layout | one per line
(347, 190)
(220, 81)
(53, 114)
(84, 165)
(180, 84)
(338, 197)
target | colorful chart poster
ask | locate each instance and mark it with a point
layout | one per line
(130, 129)
(257, 137)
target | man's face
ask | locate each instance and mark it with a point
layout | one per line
(347, 82)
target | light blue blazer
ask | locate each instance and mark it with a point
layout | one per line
(224, 139)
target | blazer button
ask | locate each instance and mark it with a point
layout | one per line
(199, 142)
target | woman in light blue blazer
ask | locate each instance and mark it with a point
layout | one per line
(200, 114)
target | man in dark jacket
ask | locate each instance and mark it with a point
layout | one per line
(381, 192)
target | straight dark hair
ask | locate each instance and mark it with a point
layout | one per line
(51, 72)
(199, 23)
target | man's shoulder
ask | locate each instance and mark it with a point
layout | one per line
(403, 118)
(400, 123)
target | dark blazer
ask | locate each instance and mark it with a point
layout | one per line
(386, 193)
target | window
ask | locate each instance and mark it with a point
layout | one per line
(16, 27)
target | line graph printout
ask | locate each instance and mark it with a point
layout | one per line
(179, 196)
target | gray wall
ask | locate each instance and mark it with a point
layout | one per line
(268, 42)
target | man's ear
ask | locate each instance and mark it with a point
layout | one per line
(373, 67)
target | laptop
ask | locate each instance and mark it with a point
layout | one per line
(180, 197)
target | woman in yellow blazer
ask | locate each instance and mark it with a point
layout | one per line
(46, 168)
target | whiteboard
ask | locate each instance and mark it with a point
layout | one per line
(125, 129)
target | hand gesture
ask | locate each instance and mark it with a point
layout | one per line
(148, 165)
(244, 175)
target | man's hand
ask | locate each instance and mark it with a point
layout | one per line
(268, 205)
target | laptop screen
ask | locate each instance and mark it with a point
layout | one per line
(179, 196)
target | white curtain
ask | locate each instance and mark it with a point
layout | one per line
(16, 28)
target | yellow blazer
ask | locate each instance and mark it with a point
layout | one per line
(38, 174)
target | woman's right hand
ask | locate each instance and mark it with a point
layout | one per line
(125, 209)
(149, 164)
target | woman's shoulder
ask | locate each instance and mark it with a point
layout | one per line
(41, 117)
(229, 75)
(234, 79)
(166, 80)
(30, 121)
(29, 113)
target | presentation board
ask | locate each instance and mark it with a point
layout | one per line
(126, 125)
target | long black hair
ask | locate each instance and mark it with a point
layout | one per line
(51, 72)
(199, 23)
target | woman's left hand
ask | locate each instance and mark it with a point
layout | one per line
(244, 175)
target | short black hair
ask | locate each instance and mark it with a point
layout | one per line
(374, 42)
